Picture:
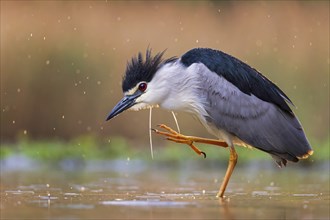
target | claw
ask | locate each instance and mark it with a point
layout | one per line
(174, 136)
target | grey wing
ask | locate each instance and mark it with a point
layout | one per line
(260, 124)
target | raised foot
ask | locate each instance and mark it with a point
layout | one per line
(174, 136)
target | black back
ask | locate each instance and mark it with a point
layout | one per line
(244, 77)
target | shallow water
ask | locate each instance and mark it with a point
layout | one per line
(153, 190)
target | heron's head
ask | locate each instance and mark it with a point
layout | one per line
(140, 86)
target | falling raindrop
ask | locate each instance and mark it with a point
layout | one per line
(47, 62)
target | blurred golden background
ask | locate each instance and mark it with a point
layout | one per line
(62, 61)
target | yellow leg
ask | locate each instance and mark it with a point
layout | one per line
(172, 135)
(179, 138)
(231, 165)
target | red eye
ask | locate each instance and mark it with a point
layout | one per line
(142, 87)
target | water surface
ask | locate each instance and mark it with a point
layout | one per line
(133, 189)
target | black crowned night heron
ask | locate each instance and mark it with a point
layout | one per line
(234, 102)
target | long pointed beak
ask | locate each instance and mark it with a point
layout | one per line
(124, 104)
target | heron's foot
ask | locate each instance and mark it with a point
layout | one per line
(174, 136)
(187, 139)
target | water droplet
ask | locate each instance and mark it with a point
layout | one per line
(31, 34)
(74, 28)
(14, 122)
(219, 10)
(98, 82)
(44, 38)
(259, 43)
(25, 132)
(47, 62)
(118, 18)
(47, 185)
(197, 41)
(18, 90)
(203, 191)
(69, 17)
(62, 116)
